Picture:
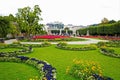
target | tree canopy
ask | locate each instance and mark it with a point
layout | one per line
(112, 28)
(28, 20)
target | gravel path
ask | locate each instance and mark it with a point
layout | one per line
(10, 41)
(89, 41)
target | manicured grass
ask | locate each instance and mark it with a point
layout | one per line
(9, 49)
(117, 50)
(17, 71)
(77, 46)
(60, 59)
(55, 40)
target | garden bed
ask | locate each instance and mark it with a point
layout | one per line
(52, 38)
(61, 59)
(46, 71)
(64, 46)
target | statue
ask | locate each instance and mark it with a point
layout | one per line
(87, 33)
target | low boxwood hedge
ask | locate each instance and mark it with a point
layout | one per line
(109, 52)
(64, 46)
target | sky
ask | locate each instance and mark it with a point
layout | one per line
(76, 12)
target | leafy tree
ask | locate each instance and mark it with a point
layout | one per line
(112, 21)
(28, 19)
(104, 21)
(4, 26)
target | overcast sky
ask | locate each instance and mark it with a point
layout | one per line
(77, 12)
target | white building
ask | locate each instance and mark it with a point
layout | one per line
(75, 28)
(55, 26)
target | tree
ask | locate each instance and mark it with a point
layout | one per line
(28, 19)
(4, 26)
(104, 21)
(112, 21)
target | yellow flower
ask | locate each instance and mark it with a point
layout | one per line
(93, 68)
(44, 78)
(74, 60)
(67, 70)
(30, 79)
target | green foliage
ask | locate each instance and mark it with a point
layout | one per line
(28, 19)
(8, 25)
(54, 40)
(62, 44)
(100, 44)
(18, 49)
(112, 29)
(2, 45)
(109, 52)
(4, 26)
(17, 42)
(80, 48)
(46, 44)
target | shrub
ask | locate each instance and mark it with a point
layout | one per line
(46, 44)
(16, 42)
(2, 45)
(62, 44)
(109, 52)
(100, 44)
(65, 47)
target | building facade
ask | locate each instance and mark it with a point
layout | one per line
(59, 26)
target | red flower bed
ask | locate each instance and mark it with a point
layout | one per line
(104, 37)
(49, 37)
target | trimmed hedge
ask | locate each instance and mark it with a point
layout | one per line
(65, 47)
(18, 52)
(25, 48)
(54, 40)
(109, 44)
(109, 52)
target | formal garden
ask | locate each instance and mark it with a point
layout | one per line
(36, 55)
(100, 61)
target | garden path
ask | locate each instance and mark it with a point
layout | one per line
(10, 41)
(89, 41)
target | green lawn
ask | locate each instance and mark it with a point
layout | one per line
(77, 46)
(9, 49)
(16, 71)
(117, 50)
(60, 59)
